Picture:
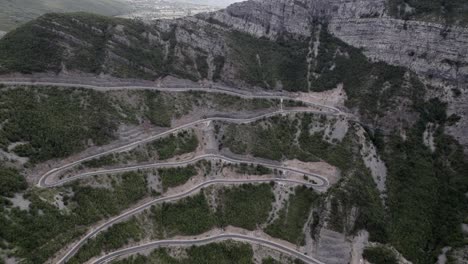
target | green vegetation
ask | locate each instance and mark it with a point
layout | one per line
(215, 253)
(159, 112)
(268, 64)
(267, 139)
(270, 260)
(275, 139)
(358, 191)
(55, 123)
(246, 206)
(131, 189)
(159, 255)
(292, 218)
(173, 177)
(449, 10)
(224, 102)
(270, 140)
(106, 160)
(380, 255)
(226, 253)
(251, 169)
(11, 181)
(40, 232)
(162, 149)
(415, 175)
(190, 216)
(14, 14)
(174, 145)
(339, 154)
(39, 46)
(114, 238)
(25, 50)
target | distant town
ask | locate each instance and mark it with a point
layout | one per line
(157, 9)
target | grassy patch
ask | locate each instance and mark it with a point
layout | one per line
(250, 169)
(216, 253)
(281, 138)
(173, 177)
(114, 238)
(292, 218)
(426, 190)
(450, 11)
(174, 145)
(159, 111)
(189, 216)
(39, 45)
(271, 140)
(270, 64)
(380, 255)
(106, 160)
(11, 181)
(112, 201)
(358, 192)
(246, 206)
(55, 122)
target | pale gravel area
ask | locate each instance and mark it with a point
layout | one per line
(282, 193)
(465, 228)
(461, 255)
(333, 129)
(338, 130)
(372, 161)
(333, 247)
(442, 258)
(428, 136)
(10, 157)
(357, 247)
(19, 201)
(335, 97)
(11, 260)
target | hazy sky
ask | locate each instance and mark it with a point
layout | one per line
(212, 2)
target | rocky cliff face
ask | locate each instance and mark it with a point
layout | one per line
(437, 52)
(434, 50)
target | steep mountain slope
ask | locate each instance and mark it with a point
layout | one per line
(404, 80)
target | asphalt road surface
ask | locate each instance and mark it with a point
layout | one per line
(207, 240)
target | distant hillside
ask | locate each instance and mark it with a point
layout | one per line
(221, 3)
(131, 49)
(16, 12)
(452, 11)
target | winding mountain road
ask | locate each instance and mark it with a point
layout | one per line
(323, 180)
(214, 89)
(178, 196)
(43, 179)
(207, 240)
(319, 181)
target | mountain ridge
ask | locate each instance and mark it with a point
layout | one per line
(404, 79)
